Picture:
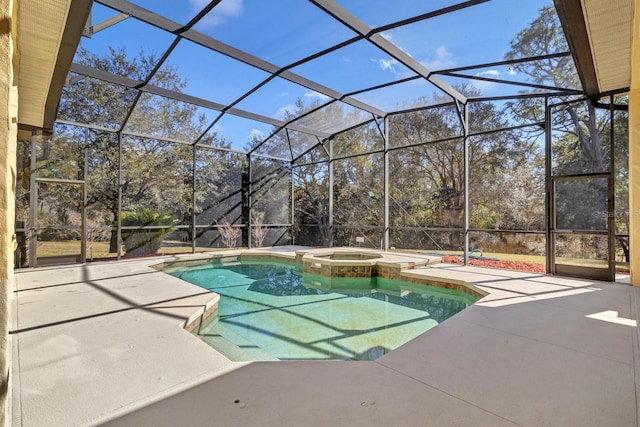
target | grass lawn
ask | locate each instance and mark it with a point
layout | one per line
(100, 250)
(537, 259)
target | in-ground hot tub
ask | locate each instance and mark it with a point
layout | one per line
(350, 262)
(348, 256)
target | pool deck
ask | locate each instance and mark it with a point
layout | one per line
(105, 343)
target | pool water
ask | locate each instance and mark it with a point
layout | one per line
(272, 311)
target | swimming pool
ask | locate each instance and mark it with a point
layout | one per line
(271, 310)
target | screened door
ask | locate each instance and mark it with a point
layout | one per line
(58, 232)
(582, 233)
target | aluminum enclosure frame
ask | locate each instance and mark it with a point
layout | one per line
(324, 139)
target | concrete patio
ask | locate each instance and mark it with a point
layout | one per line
(105, 343)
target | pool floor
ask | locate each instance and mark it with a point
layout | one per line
(272, 311)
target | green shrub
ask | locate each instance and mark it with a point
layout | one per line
(145, 242)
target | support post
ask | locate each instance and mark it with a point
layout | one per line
(548, 183)
(386, 184)
(119, 224)
(85, 176)
(465, 126)
(611, 206)
(33, 200)
(293, 201)
(246, 203)
(193, 200)
(331, 193)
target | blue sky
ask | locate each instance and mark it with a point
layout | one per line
(285, 31)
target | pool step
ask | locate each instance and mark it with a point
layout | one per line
(232, 345)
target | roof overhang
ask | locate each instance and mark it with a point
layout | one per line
(599, 34)
(48, 35)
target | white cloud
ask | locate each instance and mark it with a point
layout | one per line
(496, 73)
(255, 134)
(317, 95)
(387, 35)
(386, 64)
(489, 73)
(487, 87)
(226, 9)
(391, 64)
(492, 87)
(282, 111)
(442, 60)
(442, 52)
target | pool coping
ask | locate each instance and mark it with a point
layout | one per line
(389, 265)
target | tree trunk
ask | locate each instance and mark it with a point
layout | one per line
(625, 249)
(113, 242)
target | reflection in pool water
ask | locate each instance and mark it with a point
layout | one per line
(272, 311)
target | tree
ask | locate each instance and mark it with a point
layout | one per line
(311, 197)
(581, 142)
(285, 143)
(544, 36)
(427, 179)
(155, 173)
(258, 230)
(229, 233)
(358, 185)
(271, 185)
(218, 187)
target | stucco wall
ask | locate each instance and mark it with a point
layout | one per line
(634, 150)
(8, 135)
